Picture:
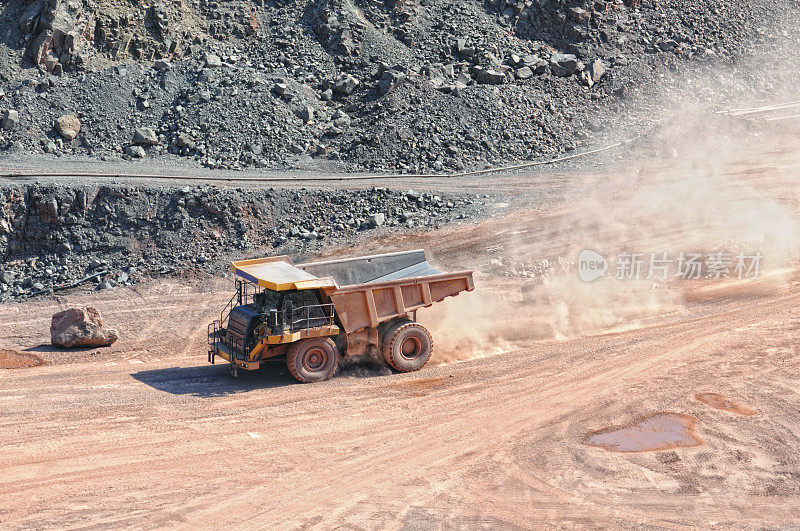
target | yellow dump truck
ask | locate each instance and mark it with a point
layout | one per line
(313, 313)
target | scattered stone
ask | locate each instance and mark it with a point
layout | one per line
(212, 61)
(68, 126)
(378, 219)
(80, 327)
(346, 85)
(145, 136)
(166, 59)
(135, 151)
(10, 119)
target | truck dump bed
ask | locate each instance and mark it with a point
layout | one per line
(374, 289)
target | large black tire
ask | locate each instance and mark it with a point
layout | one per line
(407, 346)
(312, 360)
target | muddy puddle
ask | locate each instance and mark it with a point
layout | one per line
(718, 401)
(661, 431)
(17, 360)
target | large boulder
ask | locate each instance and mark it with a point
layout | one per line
(80, 327)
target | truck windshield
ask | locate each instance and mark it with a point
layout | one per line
(267, 300)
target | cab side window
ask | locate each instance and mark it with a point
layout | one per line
(306, 317)
(302, 298)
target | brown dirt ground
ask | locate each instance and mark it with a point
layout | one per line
(17, 360)
(146, 434)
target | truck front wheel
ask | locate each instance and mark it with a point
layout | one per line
(312, 360)
(408, 347)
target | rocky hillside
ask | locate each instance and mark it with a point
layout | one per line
(52, 236)
(399, 85)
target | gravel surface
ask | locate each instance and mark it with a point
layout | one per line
(399, 85)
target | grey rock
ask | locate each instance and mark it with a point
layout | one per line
(10, 119)
(389, 80)
(667, 45)
(145, 136)
(212, 61)
(346, 85)
(523, 73)
(279, 88)
(578, 15)
(105, 285)
(305, 113)
(135, 151)
(184, 141)
(596, 69)
(207, 75)
(491, 77)
(29, 18)
(564, 65)
(378, 219)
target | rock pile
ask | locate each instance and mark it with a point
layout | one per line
(55, 236)
(401, 85)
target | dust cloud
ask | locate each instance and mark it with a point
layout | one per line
(469, 326)
(703, 182)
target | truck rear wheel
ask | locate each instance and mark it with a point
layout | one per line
(312, 360)
(408, 347)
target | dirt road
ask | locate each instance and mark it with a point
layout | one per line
(146, 434)
(147, 441)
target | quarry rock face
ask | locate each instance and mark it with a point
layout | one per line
(500, 80)
(59, 234)
(80, 327)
